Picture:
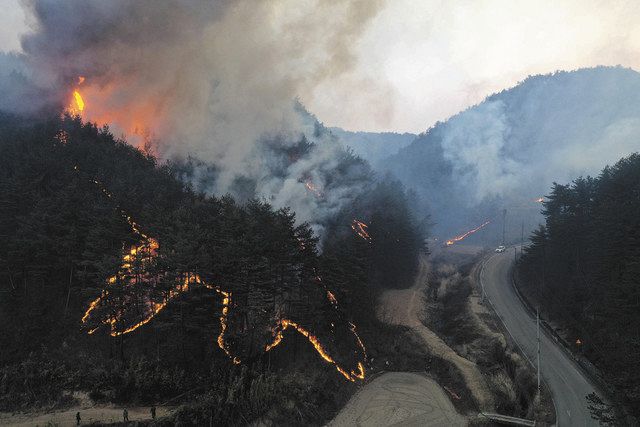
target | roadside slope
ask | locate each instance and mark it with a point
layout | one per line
(405, 307)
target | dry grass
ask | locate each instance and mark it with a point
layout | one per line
(453, 311)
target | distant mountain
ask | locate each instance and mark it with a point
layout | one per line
(506, 151)
(371, 146)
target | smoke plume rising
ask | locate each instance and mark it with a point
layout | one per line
(204, 79)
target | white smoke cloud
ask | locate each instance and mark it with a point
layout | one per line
(508, 150)
(474, 143)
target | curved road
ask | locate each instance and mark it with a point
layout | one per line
(567, 383)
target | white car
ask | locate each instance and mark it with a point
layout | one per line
(500, 249)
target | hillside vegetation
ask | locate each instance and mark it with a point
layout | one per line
(85, 218)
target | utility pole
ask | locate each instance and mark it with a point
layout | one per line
(538, 335)
(538, 311)
(504, 222)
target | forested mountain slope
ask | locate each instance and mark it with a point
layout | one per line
(374, 147)
(506, 151)
(119, 279)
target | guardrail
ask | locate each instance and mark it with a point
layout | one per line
(584, 365)
(507, 420)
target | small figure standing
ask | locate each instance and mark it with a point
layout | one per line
(78, 418)
(153, 412)
(125, 415)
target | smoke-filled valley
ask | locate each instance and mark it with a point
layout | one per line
(507, 151)
(181, 230)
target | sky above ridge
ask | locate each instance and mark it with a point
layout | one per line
(419, 61)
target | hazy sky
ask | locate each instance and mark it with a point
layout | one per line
(420, 61)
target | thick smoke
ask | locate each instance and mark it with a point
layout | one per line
(552, 128)
(206, 79)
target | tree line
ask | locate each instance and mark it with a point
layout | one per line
(583, 265)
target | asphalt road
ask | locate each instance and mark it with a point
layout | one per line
(568, 384)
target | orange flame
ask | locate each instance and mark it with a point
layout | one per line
(465, 235)
(360, 229)
(79, 101)
(284, 324)
(332, 298)
(76, 105)
(313, 189)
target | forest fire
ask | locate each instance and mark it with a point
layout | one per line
(134, 270)
(467, 234)
(76, 106)
(360, 229)
(135, 121)
(79, 101)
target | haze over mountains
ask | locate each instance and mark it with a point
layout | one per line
(505, 152)
(374, 146)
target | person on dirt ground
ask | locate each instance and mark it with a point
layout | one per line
(125, 415)
(153, 412)
(78, 419)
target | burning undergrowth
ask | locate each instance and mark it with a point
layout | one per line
(141, 289)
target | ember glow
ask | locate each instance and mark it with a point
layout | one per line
(360, 229)
(313, 189)
(467, 234)
(540, 199)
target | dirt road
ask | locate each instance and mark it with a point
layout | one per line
(405, 307)
(411, 399)
(105, 414)
(400, 399)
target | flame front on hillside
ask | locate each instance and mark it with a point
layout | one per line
(134, 270)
